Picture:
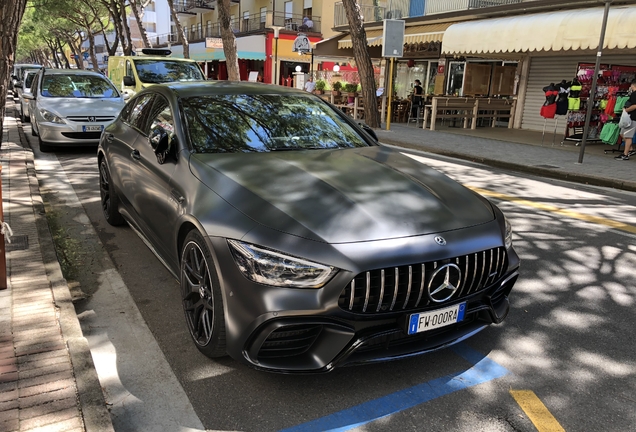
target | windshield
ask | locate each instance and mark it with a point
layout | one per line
(77, 86)
(262, 123)
(161, 71)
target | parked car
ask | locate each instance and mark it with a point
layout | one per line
(17, 73)
(22, 87)
(131, 74)
(71, 107)
(299, 242)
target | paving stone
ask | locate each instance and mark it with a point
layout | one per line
(42, 398)
(48, 419)
(43, 379)
(48, 408)
(70, 425)
(46, 387)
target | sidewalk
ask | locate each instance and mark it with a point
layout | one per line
(47, 378)
(494, 147)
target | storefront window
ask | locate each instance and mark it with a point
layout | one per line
(455, 78)
(432, 75)
(405, 77)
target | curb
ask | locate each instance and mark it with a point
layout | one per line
(625, 185)
(96, 416)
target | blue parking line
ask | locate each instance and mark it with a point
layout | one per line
(483, 370)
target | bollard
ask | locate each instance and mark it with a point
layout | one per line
(3, 258)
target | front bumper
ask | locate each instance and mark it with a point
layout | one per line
(307, 331)
(69, 134)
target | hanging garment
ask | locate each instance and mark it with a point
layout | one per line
(574, 104)
(620, 104)
(611, 103)
(610, 133)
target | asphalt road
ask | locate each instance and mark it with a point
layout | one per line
(568, 338)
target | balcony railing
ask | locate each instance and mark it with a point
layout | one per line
(294, 22)
(399, 9)
(252, 23)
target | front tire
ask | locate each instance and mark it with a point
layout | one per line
(201, 295)
(108, 197)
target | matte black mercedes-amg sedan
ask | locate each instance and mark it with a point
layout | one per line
(300, 243)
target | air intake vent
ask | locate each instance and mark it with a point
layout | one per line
(289, 341)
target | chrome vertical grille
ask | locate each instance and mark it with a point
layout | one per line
(406, 287)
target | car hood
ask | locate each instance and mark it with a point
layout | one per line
(342, 196)
(82, 106)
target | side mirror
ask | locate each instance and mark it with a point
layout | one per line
(160, 142)
(28, 96)
(17, 85)
(129, 81)
(368, 130)
(126, 96)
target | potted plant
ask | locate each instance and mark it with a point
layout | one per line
(351, 89)
(320, 86)
(336, 87)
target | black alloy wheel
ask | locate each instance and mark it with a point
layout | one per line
(108, 197)
(202, 302)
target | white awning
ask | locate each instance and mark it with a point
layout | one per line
(577, 29)
(374, 38)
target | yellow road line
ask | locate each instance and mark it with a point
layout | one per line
(552, 209)
(536, 411)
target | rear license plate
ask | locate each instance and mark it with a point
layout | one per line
(97, 128)
(421, 322)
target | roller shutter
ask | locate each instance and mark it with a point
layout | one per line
(546, 70)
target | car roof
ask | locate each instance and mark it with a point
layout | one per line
(34, 66)
(71, 72)
(205, 88)
(145, 57)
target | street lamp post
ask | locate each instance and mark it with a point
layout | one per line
(276, 34)
(590, 99)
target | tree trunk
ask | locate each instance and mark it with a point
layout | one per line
(51, 44)
(363, 61)
(10, 17)
(128, 46)
(144, 35)
(229, 41)
(61, 48)
(182, 37)
(91, 50)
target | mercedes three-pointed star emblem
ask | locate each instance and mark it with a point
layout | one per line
(444, 283)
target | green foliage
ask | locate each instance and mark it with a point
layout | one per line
(337, 86)
(321, 85)
(351, 87)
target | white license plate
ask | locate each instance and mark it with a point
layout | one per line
(97, 128)
(421, 322)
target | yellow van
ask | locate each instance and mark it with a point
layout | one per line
(131, 74)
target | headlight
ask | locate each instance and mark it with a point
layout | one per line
(50, 117)
(269, 267)
(508, 238)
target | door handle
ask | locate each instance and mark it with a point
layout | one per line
(110, 137)
(176, 195)
(135, 154)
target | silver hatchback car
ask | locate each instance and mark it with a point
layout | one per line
(71, 107)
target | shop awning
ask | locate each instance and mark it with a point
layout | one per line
(425, 33)
(554, 31)
(374, 38)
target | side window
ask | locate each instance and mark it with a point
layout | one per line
(36, 84)
(162, 116)
(138, 113)
(129, 71)
(161, 130)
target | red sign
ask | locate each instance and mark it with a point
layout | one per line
(441, 67)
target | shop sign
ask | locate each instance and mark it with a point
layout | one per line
(216, 43)
(301, 44)
(441, 67)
